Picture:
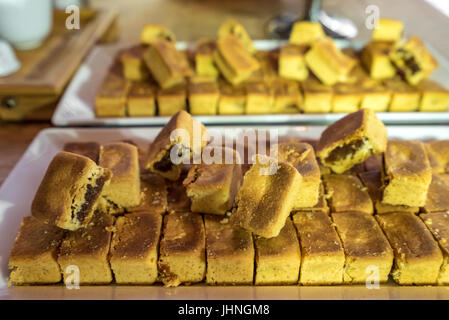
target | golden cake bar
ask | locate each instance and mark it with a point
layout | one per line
(407, 173)
(413, 60)
(388, 30)
(232, 27)
(278, 259)
(438, 224)
(346, 193)
(154, 32)
(365, 246)
(232, 99)
(323, 257)
(172, 100)
(351, 140)
(68, 193)
(203, 98)
(159, 161)
(376, 96)
(291, 62)
(229, 253)
(33, 256)
(417, 256)
(269, 64)
(259, 98)
(168, 66)
(328, 63)
(347, 97)
(306, 33)
(182, 249)
(88, 249)
(317, 96)
(438, 153)
(233, 60)
(434, 97)
(287, 96)
(213, 187)
(134, 248)
(123, 191)
(110, 100)
(321, 205)
(372, 180)
(264, 210)
(87, 149)
(153, 195)
(204, 60)
(142, 100)
(376, 59)
(134, 67)
(301, 156)
(438, 194)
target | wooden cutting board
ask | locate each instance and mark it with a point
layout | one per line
(47, 70)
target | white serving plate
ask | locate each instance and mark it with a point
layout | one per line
(76, 107)
(19, 188)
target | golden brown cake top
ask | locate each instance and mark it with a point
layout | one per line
(178, 91)
(438, 152)
(406, 158)
(34, 239)
(113, 87)
(428, 85)
(361, 235)
(408, 235)
(133, 52)
(153, 194)
(317, 233)
(321, 204)
(379, 47)
(327, 49)
(93, 240)
(226, 239)
(257, 87)
(438, 194)
(87, 149)
(285, 243)
(348, 89)
(397, 85)
(229, 90)
(183, 233)
(294, 50)
(438, 224)
(301, 156)
(235, 55)
(142, 89)
(121, 158)
(174, 60)
(203, 88)
(287, 88)
(206, 47)
(313, 85)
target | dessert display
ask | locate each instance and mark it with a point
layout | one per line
(308, 74)
(112, 213)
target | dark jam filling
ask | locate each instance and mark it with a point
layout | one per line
(165, 164)
(90, 197)
(342, 151)
(409, 61)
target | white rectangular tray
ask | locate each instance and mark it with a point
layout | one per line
(19, 188)
(76, 107)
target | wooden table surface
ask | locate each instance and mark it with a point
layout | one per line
(201, 18)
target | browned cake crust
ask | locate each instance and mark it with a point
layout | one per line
(347, 193)
(438, 194)
(69, 190)
(87, 149)
(33, 255)
(438, 152)
(235, 55)
(153, 194)
(417, 256)
(158, 160)
(364, 245)
(321, 205)
(182, 249)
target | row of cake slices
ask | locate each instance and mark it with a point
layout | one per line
(215, 217)
(229, 76)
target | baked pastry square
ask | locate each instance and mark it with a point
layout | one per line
(317, 96)
(438, 154)
(167, 65)
(213, 187)
(33, 255)
(182, 257)
(347, 97)
(328, 63)
(233, 60)
(278, 259)
(434, 97)
(322, 254)
(365, 246)
(123, 191)
(87, 149)
(88, 249)
(259, 97)
(437, 196)
(372, 180)
(375, 96)
(291, 62)
(404, 97)
(172, 100)
(232, 99)
(154, 32)
(203, 98)
(287, 96)
(110, 100)
(264, 201)
(306, 33)
(407, 173)
(417, 257)
(321, 205)
(376, 59)
(153, 194)
(142, 100)
(229, 253)
(438, 224)
(351, 140)
(347, 194)
(134, 248)
(413, 60)
(159, 160)
(232, 27)
(69, 191)
(204, 60)
(388, 30)
(134, 67)
(301, 156)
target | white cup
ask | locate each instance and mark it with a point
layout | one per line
(25, 23)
